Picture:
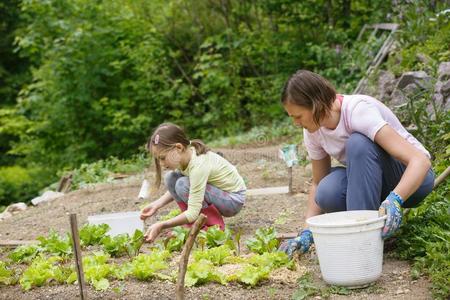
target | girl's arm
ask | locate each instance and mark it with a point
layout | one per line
(417, 163)
(153, 207)
(320, 168)
(163, 200)
(175, 221)
(154, 230)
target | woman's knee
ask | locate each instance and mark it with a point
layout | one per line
(330, 193)
(358, 145)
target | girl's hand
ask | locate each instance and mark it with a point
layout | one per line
(392, 207)
(149, 211)
(153, 232)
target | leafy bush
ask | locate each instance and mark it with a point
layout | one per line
(41, 271)
(424, 239)
(92, 234)
(103, 170)
(215, 237)
(19, 184)
(264, 241)
(56, 244)
(6, 274)
(424, 37)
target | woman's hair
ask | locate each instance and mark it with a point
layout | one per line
(164, 137)
(310, 90)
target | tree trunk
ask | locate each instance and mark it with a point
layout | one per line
(346, 6)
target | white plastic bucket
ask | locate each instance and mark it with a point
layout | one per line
(123, 222)
(349, 246)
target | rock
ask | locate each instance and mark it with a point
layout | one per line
(399, 291)
(47, 196)
(444, 71)
(423, 58)
(398, 98)
(5, 215)
(445, 89)
(420, 78)
(386, 84)
(16, 207)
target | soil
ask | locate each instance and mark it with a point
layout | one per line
(260, 167)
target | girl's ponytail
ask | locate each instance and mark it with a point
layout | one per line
(157, 182)
(199, 146)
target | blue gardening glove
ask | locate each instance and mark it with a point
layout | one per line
(301, 243)
(392, 207)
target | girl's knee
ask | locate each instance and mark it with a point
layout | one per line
(182, 187)
(170, 179)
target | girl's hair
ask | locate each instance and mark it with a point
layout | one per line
(310, 90)
(165, 136)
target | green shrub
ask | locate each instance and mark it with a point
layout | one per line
(18, 184)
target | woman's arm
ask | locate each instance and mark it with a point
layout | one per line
(320, 168)
(417, 163)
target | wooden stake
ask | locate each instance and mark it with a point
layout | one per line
(185, 255)
(441, 177)
(65, 183)
(15, 243)
(77, 255)
(290, 180)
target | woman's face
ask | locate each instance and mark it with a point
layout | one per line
(301, 116)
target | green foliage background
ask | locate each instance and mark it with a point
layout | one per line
(85, 80)
(82, 84)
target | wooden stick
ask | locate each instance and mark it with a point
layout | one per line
(15, 243)
(77, 255)
(290, 180)
(285, 236)
(441, 177)
(65, 183)
(185, 255)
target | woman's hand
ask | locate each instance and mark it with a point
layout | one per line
(301, 243)
(149, 211)
(152, 232)
(392, 207)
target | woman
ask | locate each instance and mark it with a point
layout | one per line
(386, 167)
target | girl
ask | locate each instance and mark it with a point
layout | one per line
(201, 181)
(383, 161)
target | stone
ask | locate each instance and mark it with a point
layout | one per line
(16, 207)
(423, 58)
(47, 196)
(5, 215)
(445, 89)
(386, 84)
(444, 71)
(420, 78)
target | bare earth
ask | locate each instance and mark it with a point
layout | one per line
(261, 168)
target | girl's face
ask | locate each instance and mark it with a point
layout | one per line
(301, 116)
(168, 158)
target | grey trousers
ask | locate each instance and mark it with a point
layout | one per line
(227, 203)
